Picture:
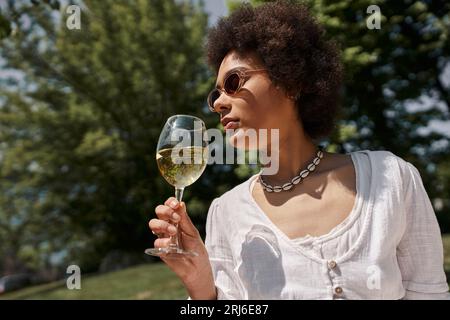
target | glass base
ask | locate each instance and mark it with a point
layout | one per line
(170, 252)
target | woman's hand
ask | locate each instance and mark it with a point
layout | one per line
(194, 272)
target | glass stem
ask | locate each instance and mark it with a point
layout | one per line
(175, 240)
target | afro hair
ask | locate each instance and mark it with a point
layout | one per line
(293, 48)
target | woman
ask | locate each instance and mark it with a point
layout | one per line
(358, 226)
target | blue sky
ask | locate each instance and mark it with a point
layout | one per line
(218, 8)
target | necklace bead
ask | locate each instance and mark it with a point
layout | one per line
(297, 179)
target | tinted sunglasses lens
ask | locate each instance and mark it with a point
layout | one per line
(232, 83)
(213, 96)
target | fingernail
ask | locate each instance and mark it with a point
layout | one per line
(174, 204)
(172, 229)
(175, 216)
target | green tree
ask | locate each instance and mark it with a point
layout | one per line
(80, 122)
(82, 111)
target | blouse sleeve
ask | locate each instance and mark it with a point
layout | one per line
(220, 256)
(420, 250)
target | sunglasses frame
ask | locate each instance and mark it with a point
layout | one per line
(243, 77)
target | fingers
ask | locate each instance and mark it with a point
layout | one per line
(162, 227)
(165, 212)
(164, 230)
(162, 243)
(172, 202)
(185, 222)
(173, 211)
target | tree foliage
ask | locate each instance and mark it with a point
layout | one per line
(80, 122)
(81, 112)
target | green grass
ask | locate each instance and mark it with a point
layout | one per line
(143, 282)
(149, 281)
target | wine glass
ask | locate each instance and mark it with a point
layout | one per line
(181, 155)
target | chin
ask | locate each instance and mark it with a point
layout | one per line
(244, 139)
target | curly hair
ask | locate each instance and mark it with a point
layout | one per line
(293, 47)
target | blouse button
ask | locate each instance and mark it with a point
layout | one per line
(332, 264)
(338, 290)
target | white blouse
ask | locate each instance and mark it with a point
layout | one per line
(388, 247)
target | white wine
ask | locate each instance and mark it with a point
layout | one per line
(181, 167)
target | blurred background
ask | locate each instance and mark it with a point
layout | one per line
(81, 111)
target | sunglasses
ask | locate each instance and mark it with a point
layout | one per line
(231, 85)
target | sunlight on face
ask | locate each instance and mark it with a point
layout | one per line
(259, 104)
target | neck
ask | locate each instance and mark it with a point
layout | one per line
(296, 151)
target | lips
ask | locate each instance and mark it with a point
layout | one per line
(230, 123)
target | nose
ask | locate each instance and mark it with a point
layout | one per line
(222, 103)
